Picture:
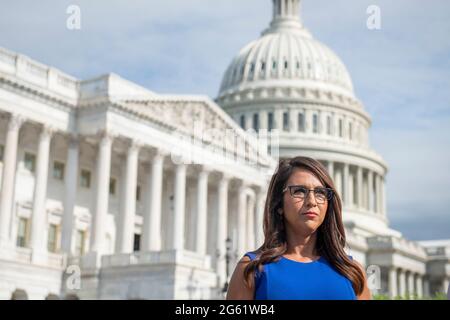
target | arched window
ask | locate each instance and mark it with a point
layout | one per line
(270, 121)
(137, 242)
(315, 123)
(252, 67)
(286, 121)
(301, 122)
(350, 131)
(256, 121)
(242, 122)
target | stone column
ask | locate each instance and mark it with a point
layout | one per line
(241, 219)
(248, 121)
(278, 119)
(151, 237)
(402, 283)
(378, 193)
(426, 287)
(260, 204)
(126, 219)
(263, 120)
(222, 227)
(179, 207)
(392, 282)
(370, 191)
(359, 185)
(410, 279)
(419, 285)
(338, 182)
(8, 178)
(97, 240)
(445, 284)
(308, 121)
(250, 243)
(202, 212)
(39, 221)
(70, 194)
(383, 197)
(330, 168)
(293, 121)
(346, 191)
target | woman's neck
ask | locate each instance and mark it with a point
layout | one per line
(301, 246)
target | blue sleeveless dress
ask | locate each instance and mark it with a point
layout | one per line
(287, 279)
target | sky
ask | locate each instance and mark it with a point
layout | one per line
(400, 72)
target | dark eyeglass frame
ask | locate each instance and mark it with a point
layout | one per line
(330, 192)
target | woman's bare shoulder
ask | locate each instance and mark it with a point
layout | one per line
(237, 289)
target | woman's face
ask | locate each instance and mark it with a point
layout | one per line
(295, 210)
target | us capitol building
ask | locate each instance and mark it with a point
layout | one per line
(94, 204)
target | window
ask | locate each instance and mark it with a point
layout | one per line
(350, 131)
(22, 233)
(85, 180)
(286, 121)
(256, 122)
(79, 244)
(274, 65)
(341, 128)
(243, 121)
(138, 193)
(112, 186)
(329, 125)
(2, 151)
(263, 65)
(315, 123)
(30, 162)
(58, 170)
(301, 122)
(52, 238)
(252, 67)
(137, 242)
(286, 65)
(270, 121)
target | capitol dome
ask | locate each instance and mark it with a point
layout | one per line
(286, 55)
(290, 85)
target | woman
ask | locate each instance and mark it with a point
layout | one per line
(303, 255)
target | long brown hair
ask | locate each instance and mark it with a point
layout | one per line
(331, 239)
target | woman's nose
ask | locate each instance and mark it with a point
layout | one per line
(311, 199)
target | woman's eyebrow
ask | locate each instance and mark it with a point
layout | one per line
(303, 186)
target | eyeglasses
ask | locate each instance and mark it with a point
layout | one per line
(321, 194)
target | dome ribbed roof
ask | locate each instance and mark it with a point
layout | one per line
(286, 55)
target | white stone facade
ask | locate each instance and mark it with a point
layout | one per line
(90, 177)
